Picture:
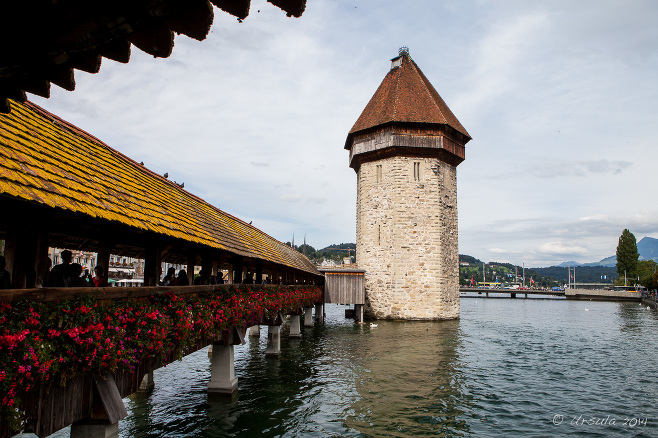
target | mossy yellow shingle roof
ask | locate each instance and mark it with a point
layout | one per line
(46, 160)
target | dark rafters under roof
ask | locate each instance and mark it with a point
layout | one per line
(43, 42)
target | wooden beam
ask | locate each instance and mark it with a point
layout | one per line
(90, 63)
(237, 8)
(39, 87)
(117, 50)
(191, 17)
(110, 398)
(62, 77)
(48, 294)
(156, 40)
(293, 8)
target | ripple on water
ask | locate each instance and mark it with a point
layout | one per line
(506, 368)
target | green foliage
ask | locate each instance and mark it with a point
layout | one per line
(646, 271)
(504, 273)
(627, 255)
(469, 259)
(335, 252)
(543, 277)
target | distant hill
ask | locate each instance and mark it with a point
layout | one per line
(336, 252)
(608, 261)
(469, 259)
(584, 274)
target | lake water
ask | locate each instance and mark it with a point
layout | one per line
(524, 367)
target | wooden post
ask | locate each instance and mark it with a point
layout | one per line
(214, 269)
(274, 274)
(358, 312)
(21, 256)
(191, 263)
(41, 264)
(152, 263)
(238, 266)
(107, 410)
(10, 253)
(206, 267)
(259, 272)
(103, 260)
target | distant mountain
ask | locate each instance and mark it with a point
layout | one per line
(648, 248)
(608, 261)
(567, 264)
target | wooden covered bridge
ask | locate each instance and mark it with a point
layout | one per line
(61, 187)
(69, 355)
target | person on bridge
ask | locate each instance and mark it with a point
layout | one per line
(170, 278)
(201, 279)
(60, 276)
(75, 279)
(98, 279)
(182, 279)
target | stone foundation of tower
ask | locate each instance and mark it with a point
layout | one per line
(407, 238)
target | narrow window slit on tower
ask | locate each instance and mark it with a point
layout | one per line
(416, 171)
(379, 173)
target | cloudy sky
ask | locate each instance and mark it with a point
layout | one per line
(560, 97)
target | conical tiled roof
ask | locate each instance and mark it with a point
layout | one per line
(406, 96)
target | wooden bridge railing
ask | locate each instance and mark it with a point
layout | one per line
(59, 345)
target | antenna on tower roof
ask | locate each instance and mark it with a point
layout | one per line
(404, 50)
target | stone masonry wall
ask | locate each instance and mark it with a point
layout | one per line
(407, 238)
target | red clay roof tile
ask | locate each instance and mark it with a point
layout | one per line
(406, 96)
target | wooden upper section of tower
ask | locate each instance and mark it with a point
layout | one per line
(404, 116)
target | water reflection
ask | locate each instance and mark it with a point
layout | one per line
(506, 368)
(409, 381)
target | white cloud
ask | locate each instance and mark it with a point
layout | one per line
(559, 96)
(290, 198)
(560, 248)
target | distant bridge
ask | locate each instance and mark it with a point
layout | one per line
(512, 292)
(569, 294)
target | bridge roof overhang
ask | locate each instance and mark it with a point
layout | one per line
(44, 42)
(55, 177)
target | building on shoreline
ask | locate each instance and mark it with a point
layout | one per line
(405, 148)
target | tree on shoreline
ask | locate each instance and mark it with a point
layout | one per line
(627, 255)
